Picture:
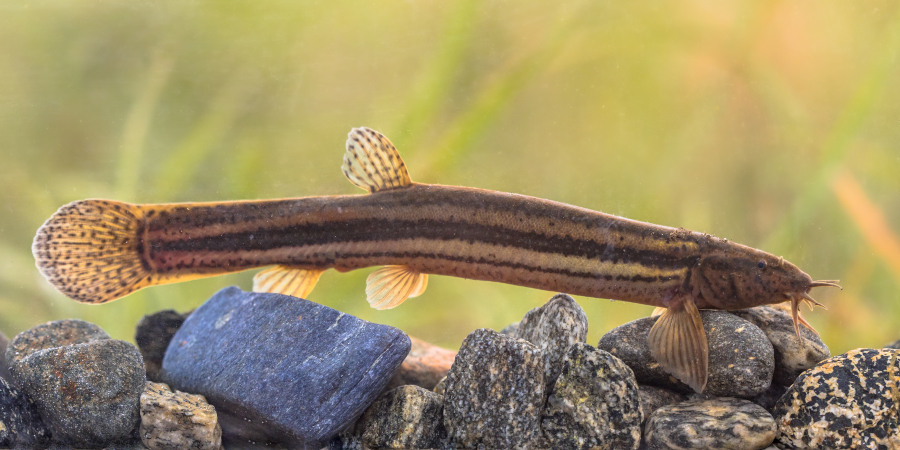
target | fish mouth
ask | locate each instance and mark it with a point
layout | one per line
(803, 296)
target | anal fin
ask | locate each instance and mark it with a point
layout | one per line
(678, 343)
(390, 286)
(288, 280)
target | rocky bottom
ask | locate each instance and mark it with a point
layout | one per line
(249, 370)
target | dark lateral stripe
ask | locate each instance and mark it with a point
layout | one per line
(216, 263)
(382, 230)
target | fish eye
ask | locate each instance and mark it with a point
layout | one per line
(761, 264)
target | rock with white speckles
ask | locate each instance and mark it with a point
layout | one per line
(405, 417)
(792, 356)
(554, 328)
(848, 401)
(741, 358)
(653, 398)
(494, 393)
(718, 423)
(50, 335)
(175, 420)
(511, 329)
(279, 368)
(594, 404)
(4, 369)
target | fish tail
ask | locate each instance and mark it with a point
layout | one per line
(92, 250)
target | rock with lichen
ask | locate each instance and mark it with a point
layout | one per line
(848, 401)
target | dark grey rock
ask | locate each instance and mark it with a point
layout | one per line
(280, 368)
(553, 328)
(50, 335)
(511, 329)
(87, 394)
(768, 398)
(152, 335)
(595, 403)
(405, 417)
(718, 423)
(848, 401)
(741, 358)
(494, 393)
(653, 398)
(425, 366)
(893, 345)
(4, 369)
(792, 356)
(20, 424)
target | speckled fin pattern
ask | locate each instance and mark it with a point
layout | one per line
(372, 163)
(678, 343)
(390, 286)
(287, 280)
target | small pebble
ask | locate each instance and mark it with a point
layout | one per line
(152, 335)
(282, 369)
(741, 358)
(20, 424)
(87, 394)
(406, 417)
(176, 420)
(595, 402)
(792, 356)
(718, 423)
(494, 393)
(425, 365)
(554, 328)
(848, 401)
(653, 398)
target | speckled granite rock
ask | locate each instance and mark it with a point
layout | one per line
(20, 424)
(425, 365)
(653, 398)
(494, 393)
(741, 358)
(52, 334)
(152, 335)
(88, 394)
(594, 404)
(553, 328)
(439, 387)
(719, 423)
(251, 354)
(792, 357)
(511, 329)
(405, 417)
(177, 420)
(4, 369)
(848, 401)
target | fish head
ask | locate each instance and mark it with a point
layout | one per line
(736, 276)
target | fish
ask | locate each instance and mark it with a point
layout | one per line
(97, 250)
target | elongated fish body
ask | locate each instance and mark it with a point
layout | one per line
(95, 251)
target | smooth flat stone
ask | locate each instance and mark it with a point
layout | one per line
(282, 369)
(741, 358)
(718, 423)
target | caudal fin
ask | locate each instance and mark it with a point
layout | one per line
(90, 250)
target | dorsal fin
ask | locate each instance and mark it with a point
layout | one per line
(372, 163)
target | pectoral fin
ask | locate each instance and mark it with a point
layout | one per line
(678, 344)
(372, 162)
(287, 280)
(390, 286)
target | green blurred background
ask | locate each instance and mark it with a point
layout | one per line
(772, 123)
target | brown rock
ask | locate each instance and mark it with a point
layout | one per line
(425, 365)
